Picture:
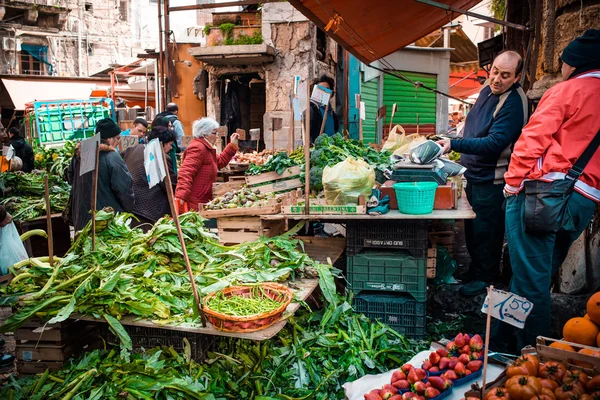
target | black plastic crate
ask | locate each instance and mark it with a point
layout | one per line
(404, 314)
(391, 270)
(148, 338)
(409, 235)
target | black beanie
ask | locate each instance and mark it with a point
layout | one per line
(107, 128)
(583, 53)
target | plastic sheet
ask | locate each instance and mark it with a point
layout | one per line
(11, 248)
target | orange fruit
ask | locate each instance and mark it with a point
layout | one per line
(593, 308)
(562, 346)
(589, 352)
(581, 331)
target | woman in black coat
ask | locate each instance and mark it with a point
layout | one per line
(151, 204)
(22, 149)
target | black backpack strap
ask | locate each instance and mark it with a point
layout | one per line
(577, 169)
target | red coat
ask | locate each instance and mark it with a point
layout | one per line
(199, 171)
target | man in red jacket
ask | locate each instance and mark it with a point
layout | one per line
(564, 124)
(200, 164)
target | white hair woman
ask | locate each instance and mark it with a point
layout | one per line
(200, 164)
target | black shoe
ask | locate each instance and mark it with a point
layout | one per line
(6, 360)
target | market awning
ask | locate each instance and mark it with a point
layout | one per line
(15, 93)
(374, 29)
(466, 83)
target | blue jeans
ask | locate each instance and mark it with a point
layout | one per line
(535, 259)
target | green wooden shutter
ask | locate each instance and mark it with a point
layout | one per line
(369, 95)
(409, 101)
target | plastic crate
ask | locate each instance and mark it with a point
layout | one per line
(409, 235)
(394, 271)
(405, 315)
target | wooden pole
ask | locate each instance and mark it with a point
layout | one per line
(487, 339)
(392, 119)
(175, 215)
(160, 104)
(167, 57)
(346, 88)
(307, 153)
(273, 135)
(49, 222)
(360, 133)
(94, 196)
(324, 120)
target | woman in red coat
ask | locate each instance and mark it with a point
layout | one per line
(200, 164)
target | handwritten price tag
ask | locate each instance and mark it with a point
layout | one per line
(508, 307)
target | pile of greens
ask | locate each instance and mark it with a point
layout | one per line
(311, 358)
(23, 194)
(55, 160)
(144, 275)
(278, 163)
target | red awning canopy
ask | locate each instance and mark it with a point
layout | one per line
(374, 29)
(466, 83)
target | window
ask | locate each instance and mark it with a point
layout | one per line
(30, 65)
(488, 33)
(321, 44)
(89, 7)
(90, 50)
(124, 10)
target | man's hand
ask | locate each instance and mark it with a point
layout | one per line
(445, 143)
(234, 139)
(6, 221)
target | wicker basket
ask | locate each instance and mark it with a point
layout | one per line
(252, 323)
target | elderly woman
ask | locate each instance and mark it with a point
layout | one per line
(151, 204)
(200, 164)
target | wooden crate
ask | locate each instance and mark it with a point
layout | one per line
(37, 246)
(273, 208)
(431, 262)
(443, 239)
(234, 230)
(274, 182)
(291, 204)
(234, 183)
(547, 353)
(37, 367)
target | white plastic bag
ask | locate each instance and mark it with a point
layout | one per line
(11, 248)
(346, 181)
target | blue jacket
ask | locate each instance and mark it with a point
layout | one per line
(492, 127)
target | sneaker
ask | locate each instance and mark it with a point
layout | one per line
(473, 288)
(6, 360)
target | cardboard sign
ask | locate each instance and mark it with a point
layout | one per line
(357, 100)
(297, 109)
(381, 113)
(508, 307)
(186, 140)
(5, 150)
(88, 154)
(10, 153)
(254, 134)
(153, 163)
(241, 133)
(302, 100)
(321, 95)
(363, 112)
(222, 131)
(127, 141)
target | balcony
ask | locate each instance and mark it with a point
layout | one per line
(50, 15)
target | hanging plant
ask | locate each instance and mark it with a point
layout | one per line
(226, 29)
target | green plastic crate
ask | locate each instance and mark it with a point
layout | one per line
(405, 315)
(395, 271)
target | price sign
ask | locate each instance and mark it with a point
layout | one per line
(363, 112)
(508, 307)
(10, 153)
(241, 133)
(320, 95)
(302, 100)
(382, 112)
(127, 141)
(186, 141)
(254, 134)
(88, 154)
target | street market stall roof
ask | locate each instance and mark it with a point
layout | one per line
(375, 29)
(17, 91)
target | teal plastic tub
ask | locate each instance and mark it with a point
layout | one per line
(415, 198)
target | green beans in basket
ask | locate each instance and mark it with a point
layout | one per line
(245, 305)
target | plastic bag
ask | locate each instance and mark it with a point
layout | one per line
(409, 141)
(11, 248)
(395, 139)
(346, 181)
(425, 153)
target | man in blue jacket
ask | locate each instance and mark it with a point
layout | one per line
(491, 129)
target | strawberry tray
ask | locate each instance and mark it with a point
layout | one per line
(466, 379)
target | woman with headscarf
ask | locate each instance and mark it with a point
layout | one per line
(151, 204)
(200, 164)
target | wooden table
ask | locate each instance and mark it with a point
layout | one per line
(305, 288)
(463, 211)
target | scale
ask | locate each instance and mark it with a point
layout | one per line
(409, 172)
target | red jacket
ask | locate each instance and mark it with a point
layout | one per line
(565, 122)
(199, 171)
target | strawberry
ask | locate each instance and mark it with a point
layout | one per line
(421, 373)
(474, 366)
(419, 387)
(466, 338)
(406, 368)
(476, 343)
(402, 384)
(447, 384)
(427, 365)
(428, 384)
(460, 369)
(436, 382)
(434, 369)
(476, 355)
(459, 340)
(430, 393)
(451, 347)
(466, 349)
(373, 395)
(396, 397)
(453, 362)
(409, 395)
(420, 398)
(451, 374)
(387, 391)
(434, 357)
(463, 358)
(444, 361)
(442, 352)
(468, 372)
(398, 376)
(413, 377)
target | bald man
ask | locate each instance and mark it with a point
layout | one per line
(491, 129)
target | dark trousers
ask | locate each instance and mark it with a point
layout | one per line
(484, 235)
(535, 259)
